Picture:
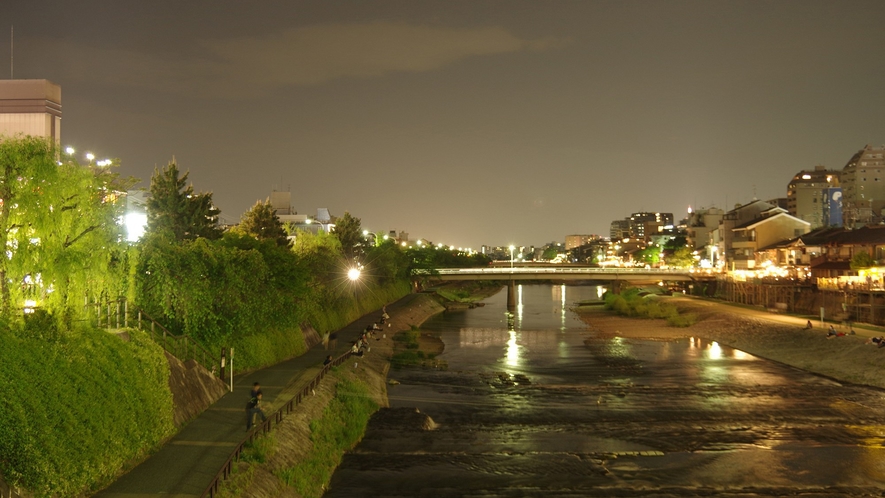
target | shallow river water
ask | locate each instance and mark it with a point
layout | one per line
(534, 404)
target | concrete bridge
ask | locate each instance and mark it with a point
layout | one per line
(638, 276)
(611, 277)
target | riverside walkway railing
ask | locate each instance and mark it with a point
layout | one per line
(273, 420)
(116, 314)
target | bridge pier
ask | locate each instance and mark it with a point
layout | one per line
(511, 296)
(615, 287)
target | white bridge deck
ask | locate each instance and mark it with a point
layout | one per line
(652, 275)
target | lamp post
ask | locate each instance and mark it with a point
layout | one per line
(511, 258)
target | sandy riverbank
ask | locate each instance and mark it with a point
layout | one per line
(847, 359)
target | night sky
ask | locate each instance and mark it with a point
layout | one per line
(466, 123)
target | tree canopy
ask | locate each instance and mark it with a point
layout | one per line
(58, 222)
(262, 223)
(175, 209)
(862, 259)
(349, 231)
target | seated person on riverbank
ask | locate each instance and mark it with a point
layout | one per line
(809, 326)
(355, 350)
(876, 341)
(832, 333)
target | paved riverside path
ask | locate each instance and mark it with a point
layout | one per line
(189, 461)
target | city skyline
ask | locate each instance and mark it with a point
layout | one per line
(464, 123)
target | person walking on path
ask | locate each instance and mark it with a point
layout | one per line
(254, 409)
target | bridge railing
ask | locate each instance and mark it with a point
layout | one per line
(570, 270)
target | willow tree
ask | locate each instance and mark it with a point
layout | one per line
(59, 226)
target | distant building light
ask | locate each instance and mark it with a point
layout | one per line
(806, 177)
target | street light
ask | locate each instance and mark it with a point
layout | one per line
(511, 257)
(353, 274)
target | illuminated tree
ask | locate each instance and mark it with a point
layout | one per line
(262, 223)
(681, 258)
(349, 231)
(862, 260)
(174, 208)
(59, 227)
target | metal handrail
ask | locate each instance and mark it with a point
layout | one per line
(268, 424)
(181, 346)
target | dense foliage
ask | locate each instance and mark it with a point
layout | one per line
(634, 303)
(174, 207)
(262, 223)
(76, 404)
(339, 429)
(58, 221)
(76, 408)
(430, 257)
(349, 231)
(862, 259)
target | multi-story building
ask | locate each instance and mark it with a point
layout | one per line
(30, 107)
(619, 229)
(815, 196)
(863, 187)
(721, 238)
(746, 229)
(573, 241)
(699, 224)
(643, 225)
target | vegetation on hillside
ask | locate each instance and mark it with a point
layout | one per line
(339, 429)
(75, 407)
(77, 403)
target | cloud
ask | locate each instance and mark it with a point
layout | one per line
(312, 55)
(297, 57)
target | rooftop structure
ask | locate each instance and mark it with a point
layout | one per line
(30, 107)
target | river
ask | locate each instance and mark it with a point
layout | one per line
(533, 403)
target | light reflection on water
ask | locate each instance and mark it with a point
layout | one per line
(715, 415)
(542, 335)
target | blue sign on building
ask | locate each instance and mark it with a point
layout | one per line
(833, 206)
